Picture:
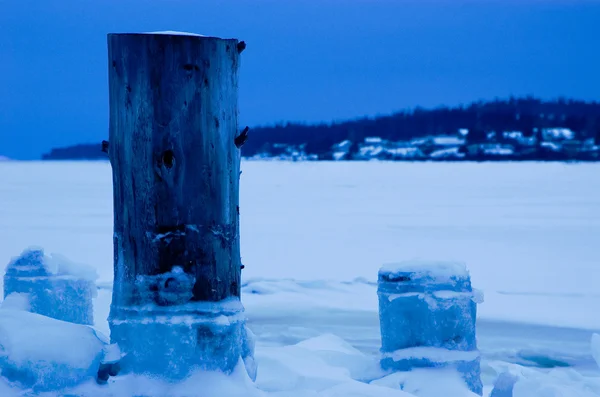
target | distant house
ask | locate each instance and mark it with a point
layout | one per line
(557, 134)
(517, 138)
(369, 152)
(448, 141)
(497, 150)
(342, 146)
(512, 135)
(446, 154)
(581, 149)
(405, 153)
(528, 141)
(490, 150)
(552, 146)
(373, 140)
(381, 149)
(340, 151)
(431, 144)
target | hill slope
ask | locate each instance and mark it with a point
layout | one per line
(526, 115)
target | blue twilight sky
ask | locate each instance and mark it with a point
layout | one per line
(307, 60)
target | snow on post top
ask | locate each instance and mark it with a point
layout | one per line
(34, 262)
(418, 269)
(176, 33)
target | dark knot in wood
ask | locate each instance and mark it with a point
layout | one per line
(242, 138)
(188, 67)
(105, 146)
(168, 158)
(171, 283)
(241, 46)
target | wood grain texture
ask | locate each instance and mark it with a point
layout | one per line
(173, 121)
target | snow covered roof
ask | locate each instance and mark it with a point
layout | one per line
(337, 156)
(447, 153)
(448, 140)
(405, 151)
(498, 150)
(420, 141)
(373, 139)
(370, 150)
(512, 134)
(552, 146)
(342, 146)
(558, 133)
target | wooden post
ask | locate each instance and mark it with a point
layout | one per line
(175, 163)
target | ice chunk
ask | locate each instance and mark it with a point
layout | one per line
(293, 368)
(248, 345)
(56, 287)
(427, 314)
(556, 384)
(112, 353)
(6, 390)
(42, 353)
(428, 382)
(316, 364)
(596, 348)
(170, 342)
(503, 387)
(336, 352)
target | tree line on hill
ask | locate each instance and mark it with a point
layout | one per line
(527, 115)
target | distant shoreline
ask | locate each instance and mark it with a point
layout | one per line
(515, 129)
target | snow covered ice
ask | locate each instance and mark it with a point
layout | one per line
(313, 238)
(41, 353)
(52, 286)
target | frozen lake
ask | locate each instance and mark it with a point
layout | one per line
(314, 235)
(528, 232)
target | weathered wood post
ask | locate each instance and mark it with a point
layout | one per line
(176, 165)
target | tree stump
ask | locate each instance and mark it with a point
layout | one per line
(175, 164)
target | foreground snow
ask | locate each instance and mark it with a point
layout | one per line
(59, 354)
(47, 354)
(40, 353)
(314, 235)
